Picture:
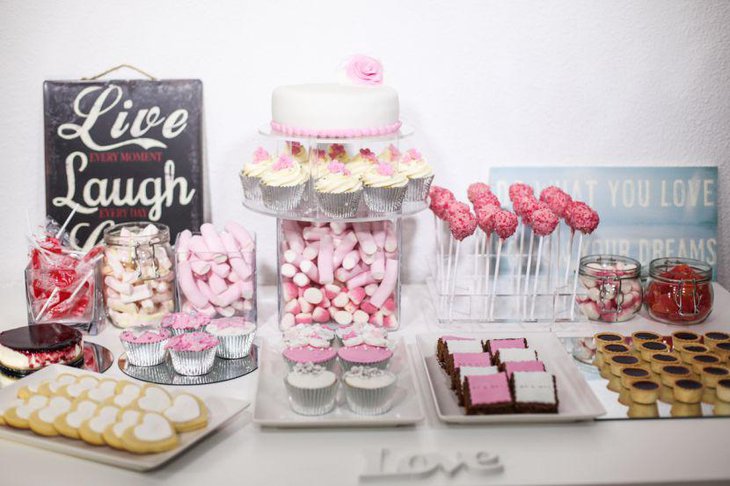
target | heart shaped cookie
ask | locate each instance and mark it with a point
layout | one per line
(75, 389)
(126, 394)
(104, 390)
(18, 416)
(54, 387)
(91, 430)
(153, 433)
(153, 399)
(68, 424)
(113, 433)
(187, 413)
(41, 420)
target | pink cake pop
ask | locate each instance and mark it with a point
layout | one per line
(519, 189)
(557, 199)
(485, 217)
(457, 208)
(544, 222)
(524, 206)
(440, 200)
(487, 199)
(477, 191)
(584, 219)
(462, 225)
(505, 223)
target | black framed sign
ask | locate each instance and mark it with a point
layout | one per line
(124, 150)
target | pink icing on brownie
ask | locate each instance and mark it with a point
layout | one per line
(183, 320)
(364, 353)
(489, 389)
(497, 344)
(513, 366)
(472, 359)
(309, 354)
(192, 341)
(145, 335)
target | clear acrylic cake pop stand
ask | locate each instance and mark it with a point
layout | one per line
(308, 214)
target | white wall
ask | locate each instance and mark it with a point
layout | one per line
(486, 83)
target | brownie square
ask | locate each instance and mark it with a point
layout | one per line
(487, 395)
(441, 349)
(534, 392)
(457, 360)
(460, 374)
(513, 354)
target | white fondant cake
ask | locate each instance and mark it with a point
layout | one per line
(335, 110)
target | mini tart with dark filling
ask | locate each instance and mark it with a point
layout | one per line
(688, 350)
(722, 350)
(650, 347)
(697, 361)
(603, 338)
(657, 360)
(644, 392)
(688, 390)
(711, 338)
(671, 373)
(711, 374)
(631, 374)
(620, 361)
(685, 337)
(614, 349)
(644, 336)
(723, 390)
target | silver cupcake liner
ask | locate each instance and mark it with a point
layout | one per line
(342, 205)
(418, 188)
(235, 347)
(307, 401)
(369, 401)
(251, 187)
(145, 354)
(381, 365)
(193, 363)
(385, 199)
(282, 198)
(177, 332)
(329, 364)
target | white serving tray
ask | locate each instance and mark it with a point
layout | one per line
(576, 400)
(272, 403)
(221, 411)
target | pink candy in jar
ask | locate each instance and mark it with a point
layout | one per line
(613, 287)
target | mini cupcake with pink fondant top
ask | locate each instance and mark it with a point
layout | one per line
(252, 172)
(323, 356)
(338, 191)
(419, 174)
(235, 335)
(385, 188)
(182, 322)
(145, 345)
(192, 353)
(365, 349)
(282, 187)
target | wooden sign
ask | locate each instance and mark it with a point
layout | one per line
(124, 150)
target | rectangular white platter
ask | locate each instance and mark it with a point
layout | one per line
(576, 400)
(272, 409)
(220, 410)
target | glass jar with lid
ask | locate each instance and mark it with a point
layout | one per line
(138, 273)
(679, 291)
(613, 287)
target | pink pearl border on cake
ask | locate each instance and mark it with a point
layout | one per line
(339, 133)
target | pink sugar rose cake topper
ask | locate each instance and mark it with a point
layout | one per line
(260, 155)
(385, 169)
(283, 162)
(336, 167)
(364, 70)
(411, 155)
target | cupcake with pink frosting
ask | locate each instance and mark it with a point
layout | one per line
(365, 349)
(385, 188)
(182, 322)
(192, 353)
(145, 345)
(282, 187)
(338, 191)
(419, 174)
(362, 162)
(235, 335)
(323, 356)
(252, 173)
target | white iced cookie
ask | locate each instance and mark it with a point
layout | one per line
(75, 389)
(54, 387)
(18, 416)
(91, 430)
(69, 423)
(126, 394)
(102, 392)
(113, 433)
(153, 433)
(153, 399)
(29, 390)
(41, 421)
(187, 413)
(9, 405)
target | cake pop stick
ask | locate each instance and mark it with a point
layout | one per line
(439, 199)
(485, 220)
(544, 222)
(559, 203)
(462, 224)
(585, 220)
(505, 225)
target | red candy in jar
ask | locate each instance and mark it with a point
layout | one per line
(679, 291)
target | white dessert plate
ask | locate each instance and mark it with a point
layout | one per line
(576, 400)
(272, 409)
(221, 411)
